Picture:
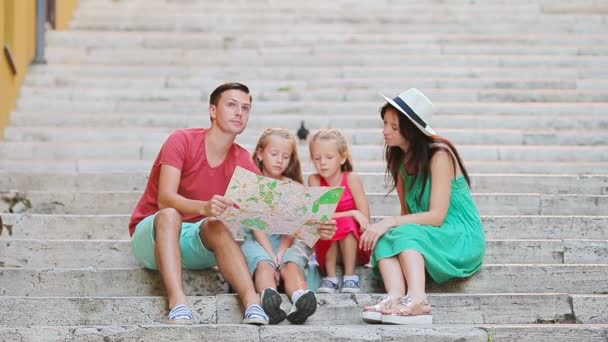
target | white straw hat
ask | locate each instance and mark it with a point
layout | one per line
(416, 107)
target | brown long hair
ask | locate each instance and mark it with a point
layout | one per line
(421, 149)
(294, 169)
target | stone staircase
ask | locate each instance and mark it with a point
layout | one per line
(521, 87)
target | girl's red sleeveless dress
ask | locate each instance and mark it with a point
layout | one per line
(345, 225)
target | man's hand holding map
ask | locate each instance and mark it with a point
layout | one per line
(278, 207)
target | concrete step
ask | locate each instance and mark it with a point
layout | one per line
(114, 227)
(293, 73)
(226, 24)
(336, 4)
(492, 278)
(170, 122)
(437, 332)
(164, 18)
(534, 5)
(144, 83)
(345, 48)
(123, 202)
(373, 182)
(356, 15)
(332, 309)
(323, 95)
(460, 136)
(324, 14)
(118, 254)
(149, 151)
(241, 332)
(199, 110)
(319, 7)
(584, 8)
(228, 58)
(196, 40)
(308, 11)
(120, 165)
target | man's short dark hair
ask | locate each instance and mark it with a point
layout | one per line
(214, 98)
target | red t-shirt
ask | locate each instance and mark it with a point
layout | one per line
(185, 150)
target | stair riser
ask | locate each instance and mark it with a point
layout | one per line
(372, 182)
(114, 227)
(109, 203)
(584, 279)
(118, 254)
(332, 310)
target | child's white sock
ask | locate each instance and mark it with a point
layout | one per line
(332, 279)
(351, 277)
(297, 294)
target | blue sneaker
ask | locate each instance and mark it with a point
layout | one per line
(351, 286)
(328, 286)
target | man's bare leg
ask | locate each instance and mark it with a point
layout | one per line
(167, 228)
(217, 238)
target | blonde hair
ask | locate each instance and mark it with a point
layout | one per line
(341, 142)
(294, 169)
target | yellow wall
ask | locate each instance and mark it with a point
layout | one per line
(18, 31)
(4, 76)
(64, 9)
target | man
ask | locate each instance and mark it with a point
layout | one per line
(174, 226)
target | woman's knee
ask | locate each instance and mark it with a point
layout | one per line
(410, 253)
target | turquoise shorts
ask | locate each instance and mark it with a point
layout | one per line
(194, 254)
(299, 253)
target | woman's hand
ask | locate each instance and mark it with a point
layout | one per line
(362, 220)
(370, 236)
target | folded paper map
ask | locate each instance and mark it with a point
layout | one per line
(278, 207)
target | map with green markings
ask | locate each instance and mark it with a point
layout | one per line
(278, 207)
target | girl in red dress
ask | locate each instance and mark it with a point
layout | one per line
(331, 156)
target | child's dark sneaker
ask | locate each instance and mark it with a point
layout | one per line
(271, 303)
(303, 307)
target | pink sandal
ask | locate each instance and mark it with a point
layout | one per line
(373, 314)
(409, 310)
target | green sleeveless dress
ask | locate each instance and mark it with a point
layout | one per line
(453, 250)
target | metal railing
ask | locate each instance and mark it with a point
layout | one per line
(41, 19)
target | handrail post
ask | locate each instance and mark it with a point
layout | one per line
(40, 28)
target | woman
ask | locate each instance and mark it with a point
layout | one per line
(439, 229)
